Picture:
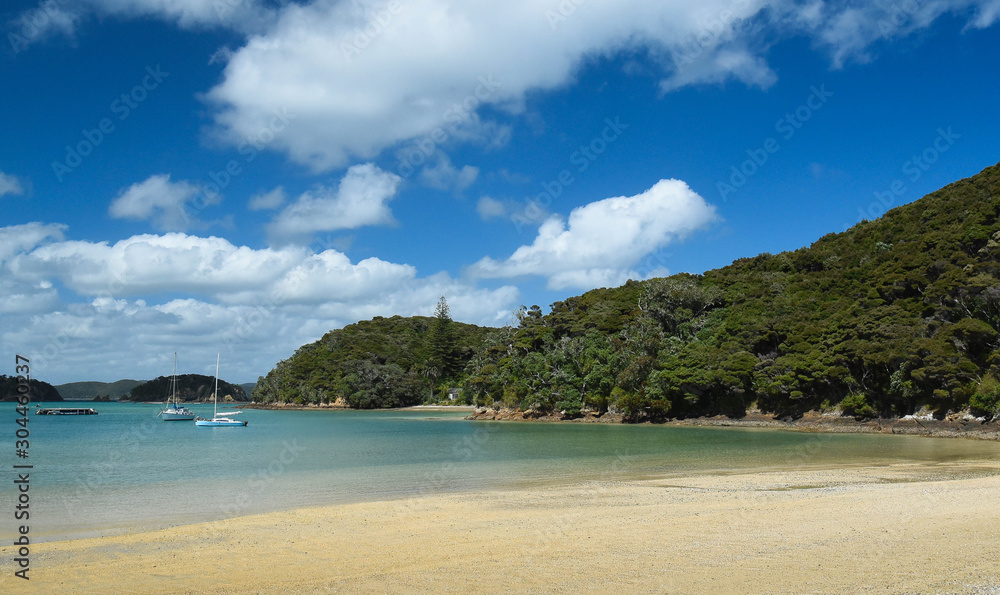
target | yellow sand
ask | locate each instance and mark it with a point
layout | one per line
(900, 529)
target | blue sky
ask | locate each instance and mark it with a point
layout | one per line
(244, 175)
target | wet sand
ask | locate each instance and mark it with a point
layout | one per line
(894, 529)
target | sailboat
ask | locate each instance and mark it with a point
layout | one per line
(174, 411)
(216, 420)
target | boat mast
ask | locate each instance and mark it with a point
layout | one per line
(215, 413)
(175, 380)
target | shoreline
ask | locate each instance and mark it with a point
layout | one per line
(953, 426)
(336, 407)
(799, 530)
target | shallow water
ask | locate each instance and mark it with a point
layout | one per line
(125, 469)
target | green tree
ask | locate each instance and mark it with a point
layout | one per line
(444, 351)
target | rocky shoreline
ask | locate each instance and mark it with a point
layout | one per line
(335, 406)
(956, 425)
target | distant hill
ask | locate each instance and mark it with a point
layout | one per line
(191, 388)
(37, 390)
(248, 388)
(88, 391)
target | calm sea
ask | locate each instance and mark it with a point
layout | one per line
(125, 469)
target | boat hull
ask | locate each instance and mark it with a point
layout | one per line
(218, 423)
(177, 416)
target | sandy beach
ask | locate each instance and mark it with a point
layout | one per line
(893, 529)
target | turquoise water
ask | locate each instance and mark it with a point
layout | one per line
(125, 469)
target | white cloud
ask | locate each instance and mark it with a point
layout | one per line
(111, 338)
(242, 15)
(19, 296)
(987, 14)
(489, 208)
(22, 238)
(58, 17)
(442, 175)
(256, 306)
(602, 240)
(9, 185)
(146, 264)
(43, 21)
(365, 76)
(719, 64)
(359, 200)
(424, 73)
(162, 202)
(267, 200)
(415, 79)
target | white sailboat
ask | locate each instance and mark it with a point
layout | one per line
(174, 411)
(216, 420)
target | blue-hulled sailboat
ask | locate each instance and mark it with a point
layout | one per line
(217, 421)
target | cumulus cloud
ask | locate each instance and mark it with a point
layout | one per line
(361, 78)
(987, 13)
(213, 268)
(442, 175)
(144, 264)
(267, 200)
(359, 200)
(22, 238)
(489, 208)
(365, 76)
(602, 240)
(108, 338)
(58, 17)
(43, 21)
(162, 202)
(18, 296)
(359, 82)
(241, 15)
(9, 185)
(120, 312)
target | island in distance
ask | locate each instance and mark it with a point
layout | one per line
(191, 388)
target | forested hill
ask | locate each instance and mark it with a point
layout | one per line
(882, 319)
(38, 391)
(190, 388)
(384, 362)
(97, 390)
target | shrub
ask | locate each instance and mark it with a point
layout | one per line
(986, 398)
(857, 405)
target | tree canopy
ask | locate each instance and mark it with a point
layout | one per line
(383, 362)
(190, 387)
(887, 317)
(37, 390)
